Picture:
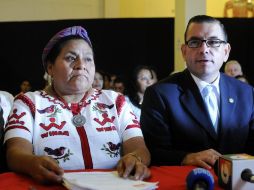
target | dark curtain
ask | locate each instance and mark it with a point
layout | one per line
(119, 45)
(241, 37)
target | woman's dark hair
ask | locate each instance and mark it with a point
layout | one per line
(57, 48)
(132, 84)
(242, 78)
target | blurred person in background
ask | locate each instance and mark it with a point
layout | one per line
(98, 82)
(141, 77)
(233, 68)
(119, 85)
(25, 86)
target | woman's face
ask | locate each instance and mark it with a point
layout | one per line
(144, 79)
(233, 70)
(73, 70)
(98, 81)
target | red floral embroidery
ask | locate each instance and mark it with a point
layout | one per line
(101, 129)
(105, 120)
(120, 101)
(135, 122)
(14, 121)
(28, 102)
(15, 127)
(52, 124)
(132, 126)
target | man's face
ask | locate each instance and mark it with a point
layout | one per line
(205, 62)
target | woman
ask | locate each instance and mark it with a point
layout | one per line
(25, 86)
(70, 125)
(98, 80)
(142, 77)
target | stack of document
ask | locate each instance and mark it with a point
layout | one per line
(103, 181)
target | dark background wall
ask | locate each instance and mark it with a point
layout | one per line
(241, 37)
(119, 45)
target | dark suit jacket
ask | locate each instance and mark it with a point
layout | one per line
(175, 121)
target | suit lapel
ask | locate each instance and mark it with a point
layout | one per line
(227, 102)
(193, 102)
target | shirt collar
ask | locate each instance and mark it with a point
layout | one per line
(202, 84)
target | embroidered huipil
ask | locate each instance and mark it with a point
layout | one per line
(46, 122)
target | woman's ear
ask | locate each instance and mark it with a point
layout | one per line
(50, 69)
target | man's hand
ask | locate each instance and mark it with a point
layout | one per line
(131, 166)
(204, 159)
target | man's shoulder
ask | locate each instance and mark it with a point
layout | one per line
(235, 83)
(173, 80)
(172, 84)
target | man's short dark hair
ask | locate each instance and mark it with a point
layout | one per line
(205, 19)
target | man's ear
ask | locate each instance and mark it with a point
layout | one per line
(183, 49)
(227, 50)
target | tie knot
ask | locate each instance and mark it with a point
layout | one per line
(207, 90)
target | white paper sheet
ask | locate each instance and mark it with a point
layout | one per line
(103, 181)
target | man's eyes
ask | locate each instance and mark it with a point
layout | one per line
(213, 42)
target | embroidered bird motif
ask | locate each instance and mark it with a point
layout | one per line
(102, 106)
(55, 152)
(49, 109)
(113, 147)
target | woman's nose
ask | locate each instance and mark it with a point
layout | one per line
(149, 81)
(80, 64)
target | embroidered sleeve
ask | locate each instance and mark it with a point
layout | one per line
(20, 120)
(129, 124)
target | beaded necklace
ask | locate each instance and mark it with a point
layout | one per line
(78, 120)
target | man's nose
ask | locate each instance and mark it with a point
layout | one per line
(204, 47)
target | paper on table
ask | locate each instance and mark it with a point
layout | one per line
(103, 181)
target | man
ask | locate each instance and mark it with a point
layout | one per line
(178, 126)
(233, 68)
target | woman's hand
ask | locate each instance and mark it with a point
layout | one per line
(131, 166)
(45, 169)
(20, 158)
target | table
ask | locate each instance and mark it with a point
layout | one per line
(169, 177)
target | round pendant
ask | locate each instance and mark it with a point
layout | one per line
(78, 120)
